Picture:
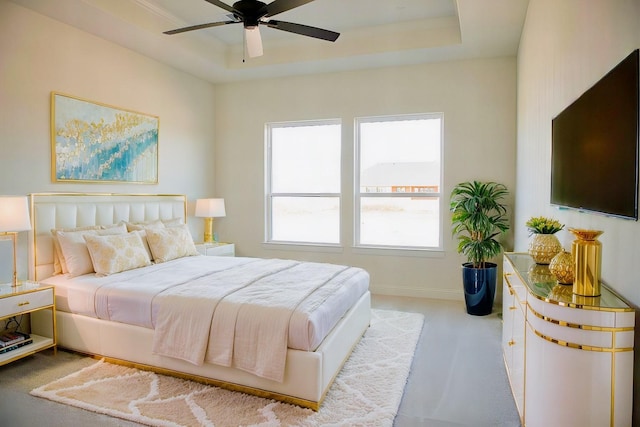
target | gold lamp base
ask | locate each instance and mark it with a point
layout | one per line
(14, 240)
(208, 230)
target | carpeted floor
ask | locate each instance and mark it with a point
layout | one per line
(368, 390)
(457, 377)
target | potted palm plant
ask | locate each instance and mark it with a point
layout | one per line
(479, 217)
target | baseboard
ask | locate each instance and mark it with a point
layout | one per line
(445, 294)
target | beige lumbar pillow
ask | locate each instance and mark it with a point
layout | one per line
(116, 253)
(170, 243)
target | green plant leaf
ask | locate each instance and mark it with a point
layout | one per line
(478, 218)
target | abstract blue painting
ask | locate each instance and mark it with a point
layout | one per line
(93, 142)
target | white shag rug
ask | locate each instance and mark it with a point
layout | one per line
(367, 392)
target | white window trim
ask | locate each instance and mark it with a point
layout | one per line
(268, 236)
(357, 195)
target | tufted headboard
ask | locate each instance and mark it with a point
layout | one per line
(70, 210)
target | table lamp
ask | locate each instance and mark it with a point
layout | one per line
(14, 217)
(209, 209)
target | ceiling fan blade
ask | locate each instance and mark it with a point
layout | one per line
(304, 30)
(254, 41)
(199, 27)
(221, 5)
(279, 6)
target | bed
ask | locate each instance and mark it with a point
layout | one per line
(118, 312)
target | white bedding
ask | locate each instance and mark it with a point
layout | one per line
(132, 296)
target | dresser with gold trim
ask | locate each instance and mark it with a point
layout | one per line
(569, 358)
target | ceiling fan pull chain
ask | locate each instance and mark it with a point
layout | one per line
(244, 45)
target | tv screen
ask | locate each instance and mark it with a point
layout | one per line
(594, 156)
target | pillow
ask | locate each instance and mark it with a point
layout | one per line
(115, 253)
(59, 265)
(158, 223)
(170, 243)
(134, 226)
(145, 243)
(74, 251)
(74, 248)
(120, 228)
(173, 222)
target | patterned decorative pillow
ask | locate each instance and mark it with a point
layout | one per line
(74, 248)
(143, 236)
(115, 253)
(170, 243)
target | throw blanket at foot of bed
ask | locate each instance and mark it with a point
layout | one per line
(240, 317)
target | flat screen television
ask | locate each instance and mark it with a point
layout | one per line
(595, 146)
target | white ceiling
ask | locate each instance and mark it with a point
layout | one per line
(374, 33)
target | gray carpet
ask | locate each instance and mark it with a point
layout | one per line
(457, 378)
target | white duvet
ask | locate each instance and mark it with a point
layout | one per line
(240, 312)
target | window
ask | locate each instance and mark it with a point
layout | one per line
(303, 182)
(398, 181)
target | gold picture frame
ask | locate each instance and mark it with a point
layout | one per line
(95, 142)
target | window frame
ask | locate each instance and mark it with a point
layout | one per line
(270, 195)
(358, 195)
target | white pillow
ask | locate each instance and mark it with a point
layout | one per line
(59, 264)
(170, 243)
(74, 248)
(120, 228)
(173, 222)
(115, 253)
(134, 226)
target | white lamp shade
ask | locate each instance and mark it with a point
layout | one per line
(14, 213)
(210, 208)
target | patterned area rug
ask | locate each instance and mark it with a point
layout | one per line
(367, 391)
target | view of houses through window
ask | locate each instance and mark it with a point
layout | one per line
(398, 178)
(397, 173)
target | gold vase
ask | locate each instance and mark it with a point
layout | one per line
(586, 251)
(539, 273)
(543, 247)
(562, 267)
(560, 293)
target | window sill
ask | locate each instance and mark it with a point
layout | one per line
(302, 247)
(407, 252)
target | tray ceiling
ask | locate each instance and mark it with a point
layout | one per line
(373, 33)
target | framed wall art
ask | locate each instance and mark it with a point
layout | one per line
(94, 142)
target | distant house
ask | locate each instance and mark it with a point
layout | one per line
(401, 177)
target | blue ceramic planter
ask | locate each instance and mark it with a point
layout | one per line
(479, 288)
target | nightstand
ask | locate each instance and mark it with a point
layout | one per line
(216, 249)
(27, 297)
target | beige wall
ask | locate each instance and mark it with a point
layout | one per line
(565, 48)
(477, 98)
(39, 55)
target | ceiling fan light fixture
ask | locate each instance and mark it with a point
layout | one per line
(254, 41)
(251, 13)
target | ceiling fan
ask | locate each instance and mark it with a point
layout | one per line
(252, 13)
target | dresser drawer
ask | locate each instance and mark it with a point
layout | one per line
(578, 316)
(219, 249)
(25, 302)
